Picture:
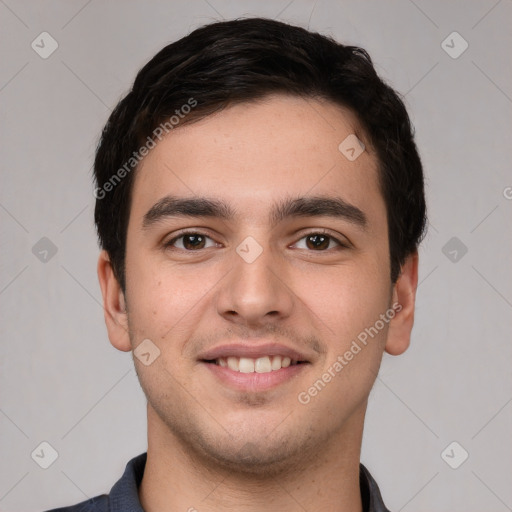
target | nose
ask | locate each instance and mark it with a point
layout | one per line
(256, 292)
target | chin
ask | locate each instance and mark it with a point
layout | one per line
(250, 452)
(257, 459)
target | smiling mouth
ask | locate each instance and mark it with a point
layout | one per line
(265, 364)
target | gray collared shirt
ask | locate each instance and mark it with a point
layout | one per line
(124, 496)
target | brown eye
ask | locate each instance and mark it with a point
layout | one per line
(320, 241)
(317, 241)
(193, 241)
(190, 242)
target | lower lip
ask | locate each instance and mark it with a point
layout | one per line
(255, 381)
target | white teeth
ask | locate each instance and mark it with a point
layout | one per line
(233, 363)
(263, 364)
(246, 365)
(276, 362)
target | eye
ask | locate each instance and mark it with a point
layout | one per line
(190, 241)
(320, 242)
(194, 241)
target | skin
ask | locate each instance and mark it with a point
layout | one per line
(212, 448)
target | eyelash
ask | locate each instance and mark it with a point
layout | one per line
(169, 244)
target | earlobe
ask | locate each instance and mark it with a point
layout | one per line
(404, 300)
(114, 305)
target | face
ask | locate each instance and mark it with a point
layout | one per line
(255, 293)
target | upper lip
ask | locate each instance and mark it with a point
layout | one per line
(253, 351)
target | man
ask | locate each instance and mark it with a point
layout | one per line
(259, 203)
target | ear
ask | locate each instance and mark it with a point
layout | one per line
(404, 300)
(114, 305)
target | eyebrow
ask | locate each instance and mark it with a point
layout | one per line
(307, 206)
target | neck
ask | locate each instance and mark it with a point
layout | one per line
(177, 478)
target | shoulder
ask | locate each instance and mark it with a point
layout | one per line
(123, 496)
(370, 492)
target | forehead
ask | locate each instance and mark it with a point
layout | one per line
(251, 154)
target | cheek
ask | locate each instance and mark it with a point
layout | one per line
(164, 299)
(350, 307)
(345, 299)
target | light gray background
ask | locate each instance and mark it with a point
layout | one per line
(61, 380)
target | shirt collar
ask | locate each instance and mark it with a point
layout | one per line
(124, 496)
